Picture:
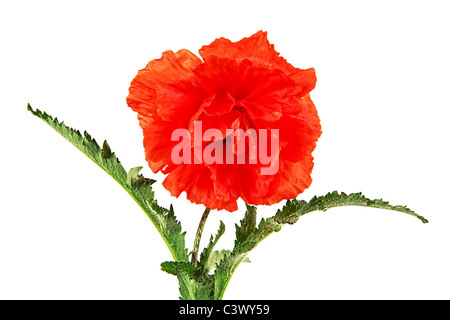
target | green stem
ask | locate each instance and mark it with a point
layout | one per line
(198, 235)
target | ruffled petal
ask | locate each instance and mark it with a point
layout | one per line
(228, 121)
(305, 79)
(157, 140)
(260, 53)
(162, 81)
(196, 181)
(240, 85)
(221, 102)
(179, 98)
(170, 68)
(261, 92)
(304, 130)
(232, 181)
(292, 179)
(255, 48)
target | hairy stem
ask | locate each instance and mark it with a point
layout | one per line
(198, 235)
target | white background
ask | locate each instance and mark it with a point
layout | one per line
(68, 231)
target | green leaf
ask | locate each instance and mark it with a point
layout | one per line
(135, 184)
(208, 257)
(224, 271)
(213, 260)
(288, 214)
(335, 199)
(173, 267)
(248, 237)
(231, 260)
(195, 289)
(133, 177)
(195, 282)
(248, 224)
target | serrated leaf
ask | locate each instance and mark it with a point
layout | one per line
(213, 260)
(135, 184)
(195, 289)
(335, 199)
(248, 237)
(286, 214)
(248, 224)
(207, 260)
(173, 267)
(224, 271)
(132, 174)
(103, 157)
(231, 260)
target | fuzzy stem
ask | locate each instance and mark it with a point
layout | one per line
(198, 235)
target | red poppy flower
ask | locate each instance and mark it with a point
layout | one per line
(238, 85)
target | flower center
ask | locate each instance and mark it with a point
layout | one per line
(220, 102)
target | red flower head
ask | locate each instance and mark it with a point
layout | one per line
(246, 93)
